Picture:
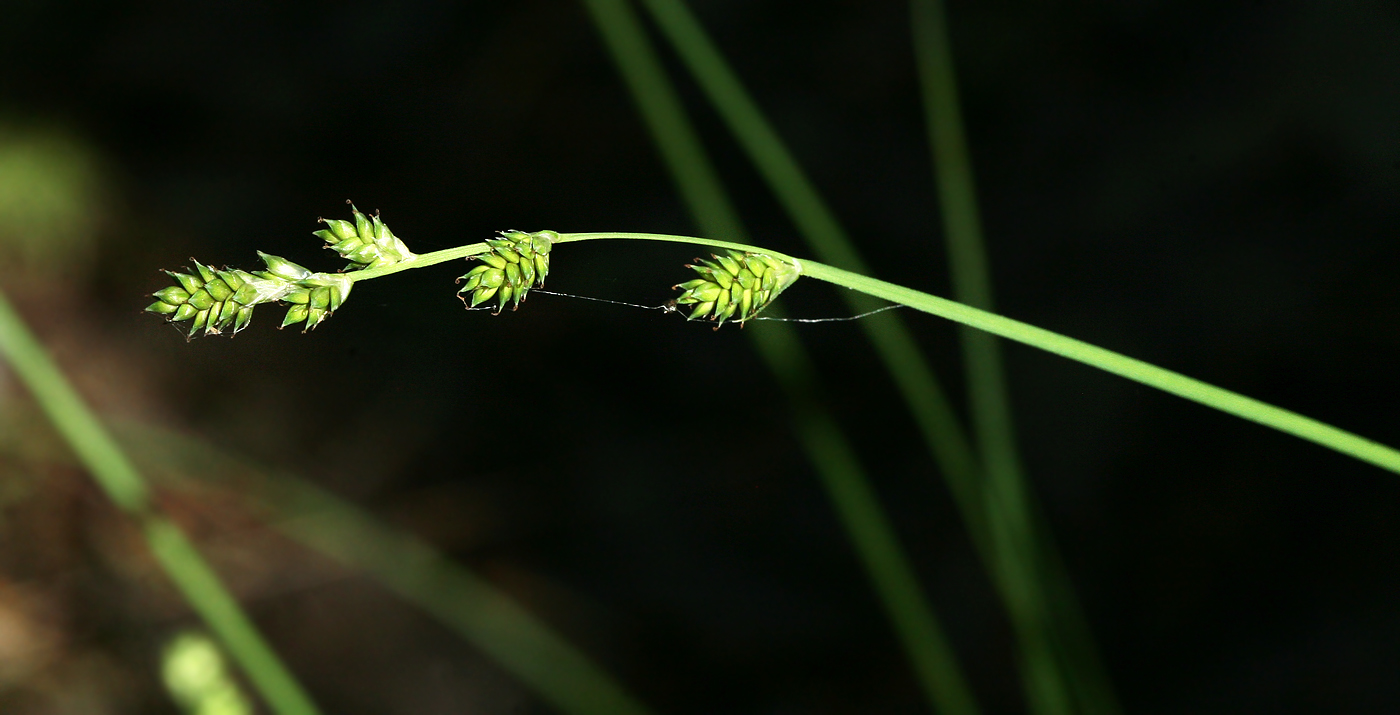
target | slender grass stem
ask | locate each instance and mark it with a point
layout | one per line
(420, 261)
(1339, 440)
(1027, 560)
(116, 476)
(1175, 383)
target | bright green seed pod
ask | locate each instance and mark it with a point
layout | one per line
(517, 262)
(366, 243)
(174, 295)
(217, 289)
(201, 300)
(188, 282)
(342, 229)
(736, 285)
(296, 314)
(730, 265)
(226, 313)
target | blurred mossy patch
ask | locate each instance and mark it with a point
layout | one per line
(50, 198)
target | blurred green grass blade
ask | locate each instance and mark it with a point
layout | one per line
(192, 576)
(869, 529)
(893, 341)
(665, 119)
(482, 614)
(1027, 557)
(891, 575)
(198, 583)
(765, 148)
(467, 604)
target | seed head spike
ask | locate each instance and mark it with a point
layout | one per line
(517, 262)
(736, 286)
(219, 300)
(366, 242)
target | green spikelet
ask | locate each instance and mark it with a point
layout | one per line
(736, 286)
(208, 299)
(517, 262)
(366, 242)
(218, 300)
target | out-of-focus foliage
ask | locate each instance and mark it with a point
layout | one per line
(50, 198)
(196, 676)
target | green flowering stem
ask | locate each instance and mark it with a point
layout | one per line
(114, 473)
(1175, 383)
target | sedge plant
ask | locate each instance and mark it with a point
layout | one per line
(736, 284)
(725, 292)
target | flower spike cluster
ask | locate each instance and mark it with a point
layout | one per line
(517, 262)
(735, 286)
(366, 242)
(216, 301)
(206, 298)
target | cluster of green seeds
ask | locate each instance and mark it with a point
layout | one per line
(366, 242)
(733, 287)
(517, 262)
(215, 301)
(736, 286)
(205, 297)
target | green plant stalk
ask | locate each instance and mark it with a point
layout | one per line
(1226, 401)
(914, 621)
(1050, 604)
(192, 576)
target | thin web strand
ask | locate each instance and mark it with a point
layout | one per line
(670, 307)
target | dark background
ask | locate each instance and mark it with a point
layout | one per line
(1210, 187)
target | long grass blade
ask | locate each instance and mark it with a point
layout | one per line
(418, 572)
(114, 473)
(1027, 557)
(893, 341)
(827, 447)
(480, 613)
(1227, 401)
